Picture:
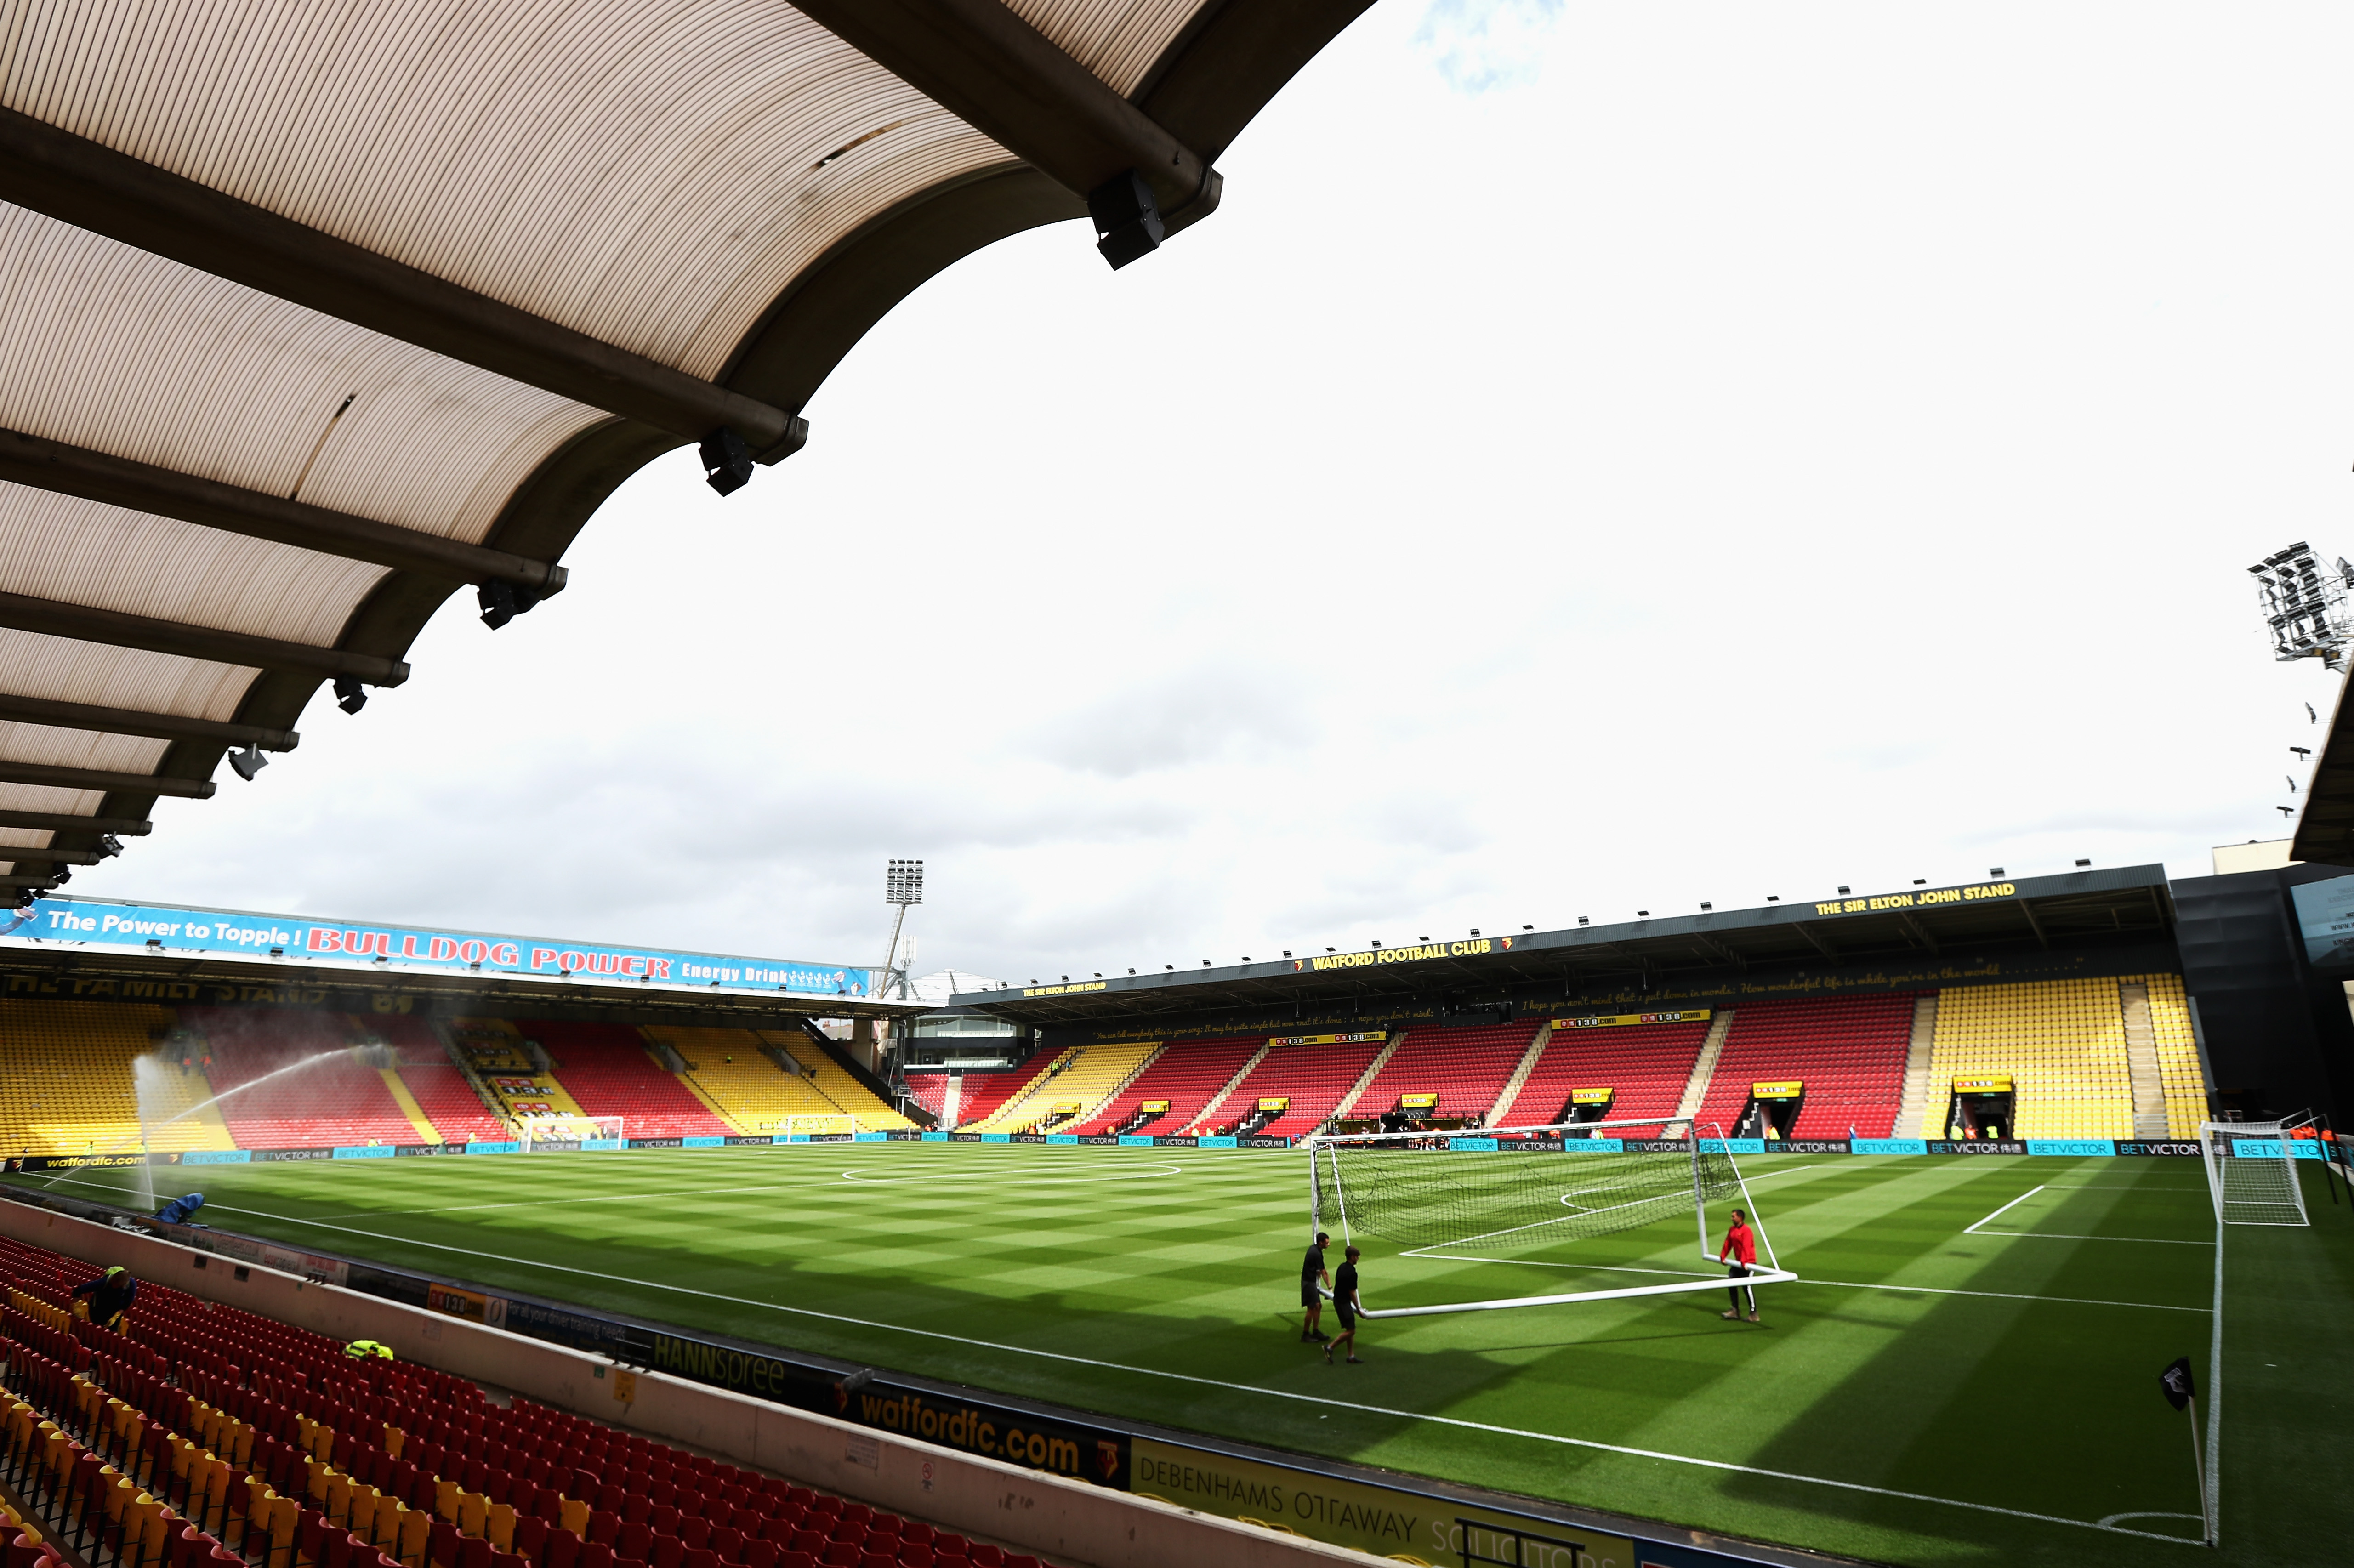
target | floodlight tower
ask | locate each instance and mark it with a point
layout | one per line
(903, 884)
(2304, 605)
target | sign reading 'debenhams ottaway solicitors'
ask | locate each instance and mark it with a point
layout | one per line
(103, 922)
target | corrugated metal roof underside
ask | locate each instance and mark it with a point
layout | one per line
(658, 175)
(663, 170)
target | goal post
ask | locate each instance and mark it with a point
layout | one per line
(1418, 1191)
(569, 1134)
(2252, 1172)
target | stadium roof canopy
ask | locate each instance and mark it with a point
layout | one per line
(311, 316)
(2130, 903)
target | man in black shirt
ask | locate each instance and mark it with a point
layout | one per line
(1345, 1303)
(1312, 1274)
(109, 1294)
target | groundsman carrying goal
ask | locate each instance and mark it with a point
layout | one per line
(1415, 1192)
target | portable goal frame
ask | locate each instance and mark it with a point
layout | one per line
(1326, 1169)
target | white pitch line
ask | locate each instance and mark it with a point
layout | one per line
(2064, 1235)
(1973, 1230)
(1810, 1279)
(1455, 1421)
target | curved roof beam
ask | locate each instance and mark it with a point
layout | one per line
(101, 778)
(80, 182)
(141, 487)
(132, 721)
(999, 74)
(56, 618)
(66, 821)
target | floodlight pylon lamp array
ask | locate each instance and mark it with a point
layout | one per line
(2304, 605)
(903, 882)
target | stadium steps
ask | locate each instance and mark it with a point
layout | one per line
(426, 1131)
(1006, 1088)
(1087, 1077)
(686, 1081)
(2181, 1073)
(455, 1055)
(1117, 1089)
(1500, 1115)
(1915, 1104)
(2141, 1060)
(757, 1085)
(1201, 1116)
(1703, 1070)
(1372, 1070)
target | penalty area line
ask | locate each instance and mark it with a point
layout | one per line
(1066, 1358)
(1973, 1230)
(1808, 1279)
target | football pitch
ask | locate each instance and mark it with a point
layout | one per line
(1966, 1372)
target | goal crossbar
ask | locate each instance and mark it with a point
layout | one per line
(1684, 1171)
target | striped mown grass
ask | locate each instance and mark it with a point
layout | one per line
(1965, 1375)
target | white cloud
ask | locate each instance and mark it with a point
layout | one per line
(1480, 44)
(1774, 449)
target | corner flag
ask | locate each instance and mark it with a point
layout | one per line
(2176, 1382)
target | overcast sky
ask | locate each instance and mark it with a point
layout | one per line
(1598, 459)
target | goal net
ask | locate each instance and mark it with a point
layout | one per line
(567, 1134)
(817, 1127)
(2252, 1172)
(1415, 1192)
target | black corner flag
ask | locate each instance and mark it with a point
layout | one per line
(2176, 1381)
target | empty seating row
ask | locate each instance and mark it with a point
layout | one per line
(1848, 1051)
(282, 1451)
(608, 1071)
(1186, 1074)
(1314, 1078)
(289, 1078)
(74, 1084)
(1466, 1068)
(1645, 1066)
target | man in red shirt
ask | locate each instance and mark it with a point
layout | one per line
(1741, 1250)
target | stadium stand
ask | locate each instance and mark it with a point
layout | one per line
(1849, 1052)
(441, 1090)
(930, 1090)
(222, 1435)
(985, 1094)
(608, 1071)
(733, 1068)
(1185, 1075)
(334, 1100)
(830, 1078)
(1645, 1065)
(1089, 1076)
(2061, 1042)
(2182, 1081)
(71, 1087)
(1466, 1068)
(490, 1045)
(1314, 1077)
